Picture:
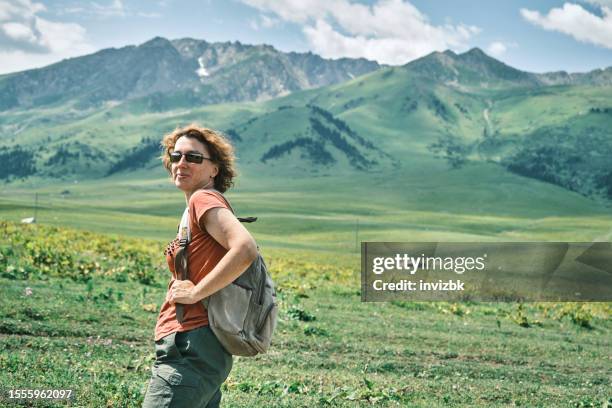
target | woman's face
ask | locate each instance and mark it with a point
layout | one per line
(190, 177)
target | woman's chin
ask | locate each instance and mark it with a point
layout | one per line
(181, 184)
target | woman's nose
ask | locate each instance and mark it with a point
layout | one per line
(183, 160)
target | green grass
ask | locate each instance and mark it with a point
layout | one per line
(99, 343)
(93, 334)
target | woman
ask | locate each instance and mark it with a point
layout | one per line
(190, 363)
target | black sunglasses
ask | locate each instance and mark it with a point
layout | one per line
(175, 157)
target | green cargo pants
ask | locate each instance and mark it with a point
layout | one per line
(188, 371)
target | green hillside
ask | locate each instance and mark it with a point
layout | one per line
(457, 108)
(456, 147)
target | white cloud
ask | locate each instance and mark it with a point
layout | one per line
(114, 9)
(390, 31)
(263, 21)
(499, 48)
(18, 32)
(26, 7)
(574, 20)
(111, 9)
(27, 40)
(268, 22)
(296, 11)
(62, 37)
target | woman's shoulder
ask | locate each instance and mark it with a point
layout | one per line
(206, 197)
(203, 200)
(206, 194)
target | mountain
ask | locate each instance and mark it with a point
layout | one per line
(595, 77)
(473, 67)
(445, 108)
(205, 73)
(478, 69)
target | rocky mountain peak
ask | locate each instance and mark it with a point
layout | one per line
(472, 67)
(156, 42)
(210, 72)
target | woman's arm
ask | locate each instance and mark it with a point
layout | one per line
(223, 226)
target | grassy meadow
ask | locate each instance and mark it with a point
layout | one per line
(93, 334)
(421, 200)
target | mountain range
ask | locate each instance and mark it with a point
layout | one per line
(300, 114)
(200, 71)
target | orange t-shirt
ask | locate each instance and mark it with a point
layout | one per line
(204, 254)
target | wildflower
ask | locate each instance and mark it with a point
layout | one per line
(28, 291)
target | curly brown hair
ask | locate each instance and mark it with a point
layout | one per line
(220, 149)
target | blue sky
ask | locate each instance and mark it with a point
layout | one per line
(546, 35)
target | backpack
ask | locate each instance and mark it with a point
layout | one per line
(243, 314)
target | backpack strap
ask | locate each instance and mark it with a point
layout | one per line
(184, 229)
(241, 219)
(181, 260)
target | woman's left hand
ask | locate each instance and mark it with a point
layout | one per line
(182, 292)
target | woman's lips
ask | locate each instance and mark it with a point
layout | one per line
(182, 176)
